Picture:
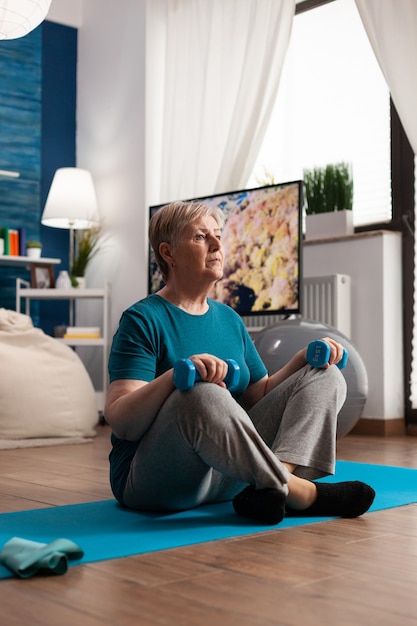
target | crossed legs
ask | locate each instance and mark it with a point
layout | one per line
(203, 447)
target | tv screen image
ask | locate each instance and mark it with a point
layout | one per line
(262, 245)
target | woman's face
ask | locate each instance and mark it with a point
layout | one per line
(199, 251)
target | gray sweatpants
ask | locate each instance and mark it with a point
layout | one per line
(204, 447)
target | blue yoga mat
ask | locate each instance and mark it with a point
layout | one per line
(104, 530)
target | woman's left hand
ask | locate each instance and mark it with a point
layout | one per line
(336, 352)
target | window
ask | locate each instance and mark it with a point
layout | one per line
(333, 105)
(329, 54)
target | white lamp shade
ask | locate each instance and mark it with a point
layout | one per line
(19, 17)
(71, 202)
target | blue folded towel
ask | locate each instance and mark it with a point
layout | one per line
(26, 558)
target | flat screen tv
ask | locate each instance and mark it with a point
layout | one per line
(262, 244)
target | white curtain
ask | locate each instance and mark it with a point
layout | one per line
(391, 26)
(223, 61)
(392, 30)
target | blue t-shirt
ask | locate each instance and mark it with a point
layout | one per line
(153, 334)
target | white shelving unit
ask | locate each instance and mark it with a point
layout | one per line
(25, 293)
(25, 261)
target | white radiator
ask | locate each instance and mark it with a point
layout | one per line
(327, 299)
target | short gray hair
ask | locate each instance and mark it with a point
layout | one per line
(168, 223)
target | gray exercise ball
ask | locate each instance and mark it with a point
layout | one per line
(277, 344)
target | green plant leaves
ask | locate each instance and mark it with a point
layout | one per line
(329, 188)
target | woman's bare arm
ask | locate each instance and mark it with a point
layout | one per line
(132, 405)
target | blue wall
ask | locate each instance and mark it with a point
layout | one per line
(58, 121)
(20, 144)
(20, 131)
(59, 67)
(37, 135)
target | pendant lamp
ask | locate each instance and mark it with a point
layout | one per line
(19, 17)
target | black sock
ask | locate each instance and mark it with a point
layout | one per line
(264, 505)
(345, 499)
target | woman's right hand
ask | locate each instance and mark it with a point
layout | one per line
(211, 368)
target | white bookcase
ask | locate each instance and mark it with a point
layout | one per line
(25, 294)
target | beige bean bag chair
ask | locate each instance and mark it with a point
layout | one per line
(45, 390)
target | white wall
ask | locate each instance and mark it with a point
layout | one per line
(67, 12)
(111, 140)
(373, 260)
(111, 136)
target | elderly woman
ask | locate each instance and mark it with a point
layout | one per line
(261, 444)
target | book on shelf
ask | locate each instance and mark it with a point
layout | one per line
(14, 241)
(5, 235)
(22, 241)
(82, 332)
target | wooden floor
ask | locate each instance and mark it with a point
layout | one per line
(356, 572)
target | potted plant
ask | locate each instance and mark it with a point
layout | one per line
(33, 249)
(329, 198)
(87, 244)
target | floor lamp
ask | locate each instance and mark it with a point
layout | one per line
(71, 204)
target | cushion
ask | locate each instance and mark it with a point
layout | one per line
(45, 390)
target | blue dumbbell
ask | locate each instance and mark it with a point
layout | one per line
(186, 374)
(318, 354)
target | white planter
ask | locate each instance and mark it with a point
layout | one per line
(80, 282)
(327, 225)
(33, 253)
